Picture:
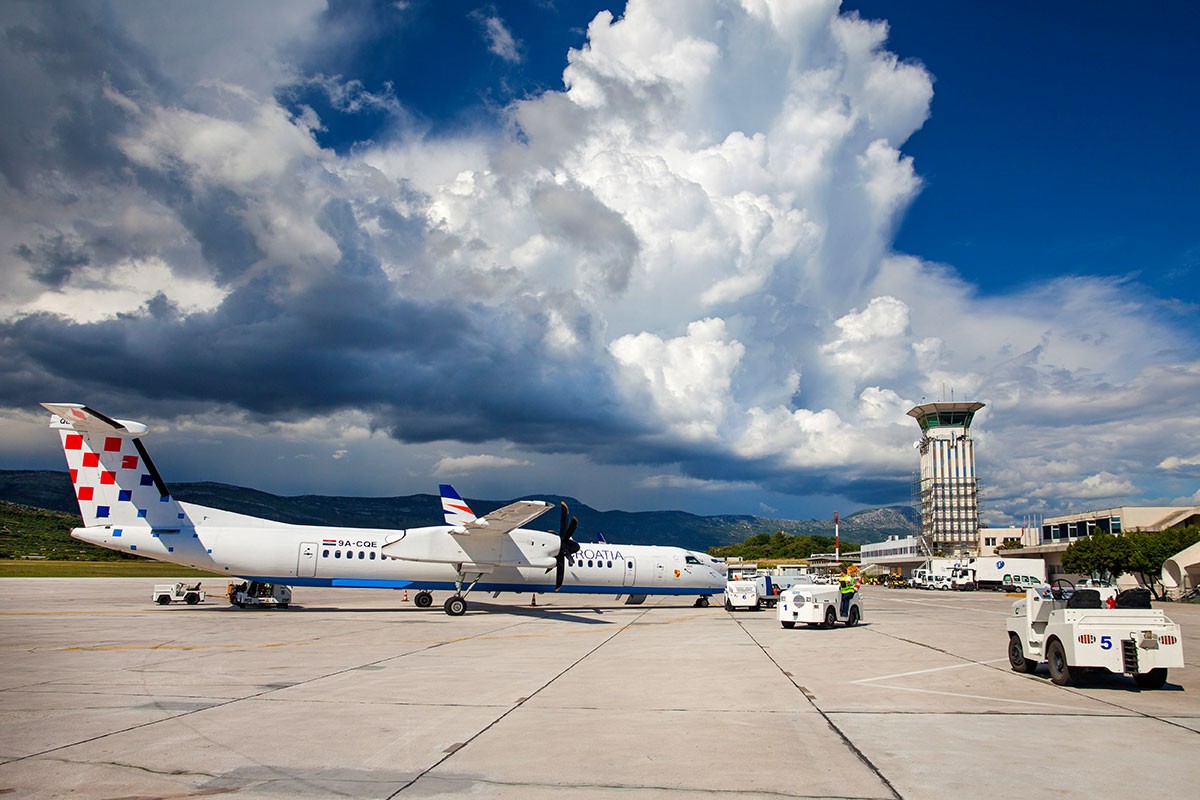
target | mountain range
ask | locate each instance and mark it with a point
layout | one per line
(52, 490)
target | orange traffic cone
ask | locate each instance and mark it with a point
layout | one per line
(533, 602)
(405, 598)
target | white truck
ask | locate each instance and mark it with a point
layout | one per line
(991, 572)
(1074, 630)
(253, 593)
(167, 593)
(818, 605)
(741, 594)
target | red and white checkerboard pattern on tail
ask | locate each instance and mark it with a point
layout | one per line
(115, 482)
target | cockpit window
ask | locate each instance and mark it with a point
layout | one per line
(691, 559)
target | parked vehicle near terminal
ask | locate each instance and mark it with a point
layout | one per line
(939, 582)
(818, 605)
(988, 572)
(1019, 583)
(1074, 630)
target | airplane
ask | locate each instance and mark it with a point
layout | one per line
(126, 506)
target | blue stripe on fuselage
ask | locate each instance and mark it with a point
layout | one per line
(360, 583)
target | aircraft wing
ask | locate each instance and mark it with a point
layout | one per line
(506, 519)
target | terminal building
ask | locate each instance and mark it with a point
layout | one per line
(1057, 533)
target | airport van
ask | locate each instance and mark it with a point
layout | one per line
(1019, 583)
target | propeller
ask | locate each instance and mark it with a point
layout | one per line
(567, 547)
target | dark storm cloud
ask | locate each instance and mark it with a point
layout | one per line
(53, 259)
(58, 58)
(294, 344)
(214, 215)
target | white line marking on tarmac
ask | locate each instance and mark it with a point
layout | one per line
(932, 669)
(871, 681)
(935, 604)
(978, 697)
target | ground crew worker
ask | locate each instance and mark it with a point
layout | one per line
(847, 582)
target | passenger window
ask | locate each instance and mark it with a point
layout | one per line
(610, 565)
(589, 563)
(361, 555)
(630, 565)
(372, 555)
(337, 553)
(324, 554)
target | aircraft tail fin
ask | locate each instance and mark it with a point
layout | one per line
(455, 509)
(115, 481)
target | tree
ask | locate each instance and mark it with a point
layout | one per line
(1150, 550)
(1100, 553)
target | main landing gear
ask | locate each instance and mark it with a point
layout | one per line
(701, 602)
(423, 599)
(456, 606)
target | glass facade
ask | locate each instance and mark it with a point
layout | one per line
(1070, 530)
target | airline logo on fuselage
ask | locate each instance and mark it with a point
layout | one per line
(603, 555)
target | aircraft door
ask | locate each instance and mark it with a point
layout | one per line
(630, 577)
(306, 561)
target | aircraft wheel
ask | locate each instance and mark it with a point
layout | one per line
(701, 602)
(787, 623)
(728, 606)
(1016, 656)
(1154, 679)
(1060, 671)
(163, 600)
(455, 606)
(830, 617)
(423, 600)
(852, 619)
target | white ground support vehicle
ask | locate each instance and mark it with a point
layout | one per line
(818, 605)
(1077, 629)
(167, 593)
(253, 593)
(741, 594)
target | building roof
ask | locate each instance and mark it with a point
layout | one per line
(940, 415)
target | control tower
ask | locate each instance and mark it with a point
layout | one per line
(948, 489)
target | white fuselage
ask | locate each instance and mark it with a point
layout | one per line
(418, 558)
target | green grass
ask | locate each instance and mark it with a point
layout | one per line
(26, 531)
(21, 568)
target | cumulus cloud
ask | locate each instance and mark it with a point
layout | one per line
(680, 261)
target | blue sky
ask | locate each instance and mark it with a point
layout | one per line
(1058, 141)
(694, 254)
